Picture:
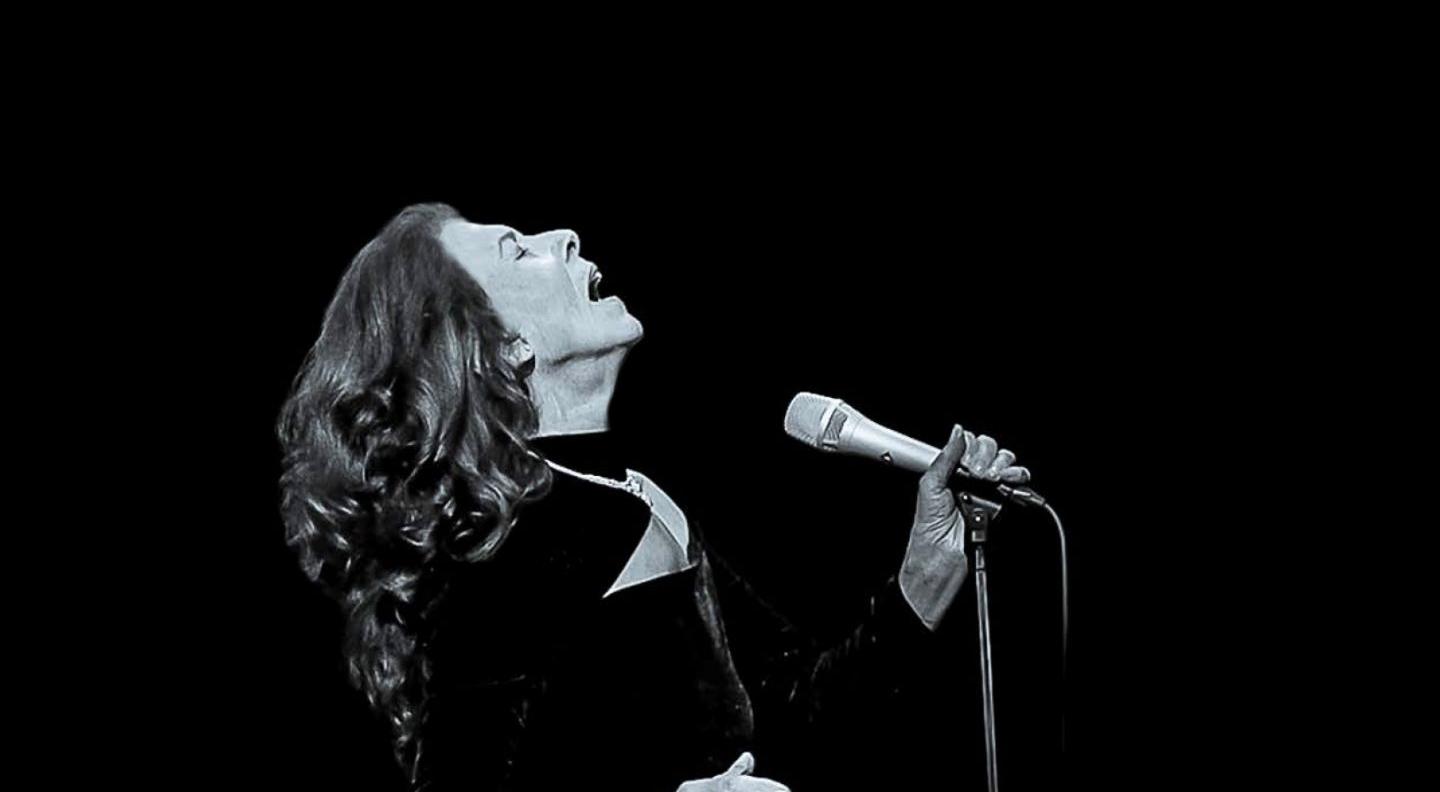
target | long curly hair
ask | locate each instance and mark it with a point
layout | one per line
(404, 440)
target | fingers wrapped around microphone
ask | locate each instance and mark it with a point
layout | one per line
(985, 459)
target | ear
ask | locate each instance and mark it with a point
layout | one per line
(517, 353)
(520, 354)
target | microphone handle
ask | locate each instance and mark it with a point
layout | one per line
(867, 438)
(873, 440)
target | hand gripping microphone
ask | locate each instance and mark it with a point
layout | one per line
(833, 426)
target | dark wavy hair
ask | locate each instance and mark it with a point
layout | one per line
(404, 440)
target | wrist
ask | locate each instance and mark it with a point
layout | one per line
(930, 582)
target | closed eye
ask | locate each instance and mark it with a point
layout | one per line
(520, 250)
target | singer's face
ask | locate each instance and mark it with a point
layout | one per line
(542, 289)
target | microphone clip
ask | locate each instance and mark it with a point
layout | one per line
(978, 514)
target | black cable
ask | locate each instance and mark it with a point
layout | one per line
(1064, 618)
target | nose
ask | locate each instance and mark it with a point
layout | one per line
(567, 245)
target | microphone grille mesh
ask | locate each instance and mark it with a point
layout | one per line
(802, 417)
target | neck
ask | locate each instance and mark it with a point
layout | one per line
(573, 396)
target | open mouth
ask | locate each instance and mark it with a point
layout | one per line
(595, 277)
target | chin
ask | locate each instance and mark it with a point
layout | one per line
(636, 329)
(615, 338)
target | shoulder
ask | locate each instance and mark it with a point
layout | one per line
(562, 554)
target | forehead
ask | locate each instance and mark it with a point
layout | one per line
(467, 240)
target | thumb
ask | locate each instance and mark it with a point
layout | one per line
(742, 766)
(938, 474)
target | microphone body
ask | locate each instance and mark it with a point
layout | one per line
(833, 426)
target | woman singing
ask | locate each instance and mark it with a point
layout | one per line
(524, 611)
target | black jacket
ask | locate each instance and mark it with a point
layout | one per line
(540, 683)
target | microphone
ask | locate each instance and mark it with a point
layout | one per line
(833, 426)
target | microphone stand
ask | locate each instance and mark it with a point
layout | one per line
(979, 513)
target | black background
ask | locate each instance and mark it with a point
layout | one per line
(1029, 285)
(1152, 261)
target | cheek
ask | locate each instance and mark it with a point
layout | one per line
(510, 300)
(530, 303)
